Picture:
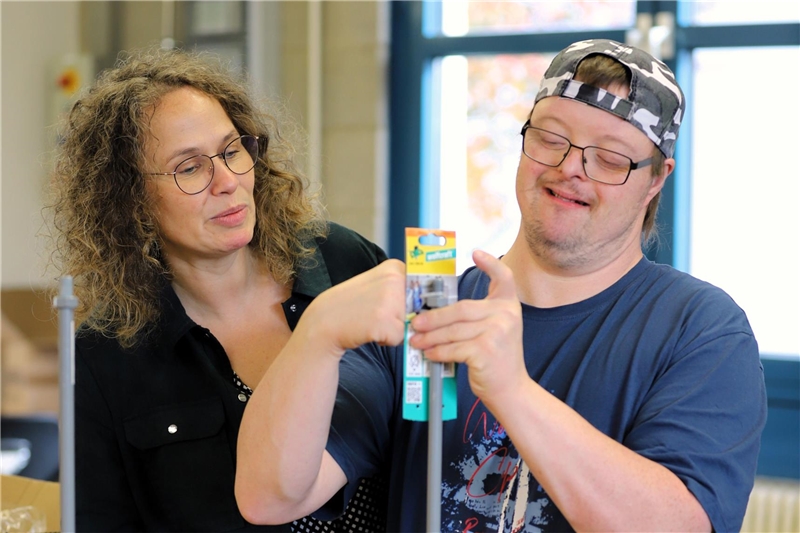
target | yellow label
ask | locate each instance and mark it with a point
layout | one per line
(430, 251)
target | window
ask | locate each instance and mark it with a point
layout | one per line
(462, 18)
(743, 236)
(463, 79)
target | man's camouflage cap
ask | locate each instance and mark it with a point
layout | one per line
(655, 103)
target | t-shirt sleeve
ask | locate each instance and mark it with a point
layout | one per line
(359, 437)
(703, 416)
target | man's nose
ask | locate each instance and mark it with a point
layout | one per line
(574, 162)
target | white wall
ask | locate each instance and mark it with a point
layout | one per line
(353, 163)
(264, 36)
(34, 35)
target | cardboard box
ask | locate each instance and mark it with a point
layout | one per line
(18, 492)
(29, 371)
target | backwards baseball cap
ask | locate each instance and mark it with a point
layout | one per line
(655, 103)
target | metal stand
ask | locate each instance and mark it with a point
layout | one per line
(66, 303)
(434, 523)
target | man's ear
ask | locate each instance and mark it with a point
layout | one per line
(657, 182)
(669, 166)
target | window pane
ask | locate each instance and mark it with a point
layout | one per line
(745, 234)
(485, 102)
(728, 12)
(461, 18)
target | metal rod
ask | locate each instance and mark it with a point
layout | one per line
(434, 524)
(66, 303)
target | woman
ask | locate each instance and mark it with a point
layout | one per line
(195, 246)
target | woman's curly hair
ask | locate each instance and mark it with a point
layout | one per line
(105, 231)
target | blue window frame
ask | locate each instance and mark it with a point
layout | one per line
(414, 192)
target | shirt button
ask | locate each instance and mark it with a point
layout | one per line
(293, 308)
(172, 428)
(242, 397)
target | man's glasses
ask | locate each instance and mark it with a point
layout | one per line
(194, 175)
(551, 149)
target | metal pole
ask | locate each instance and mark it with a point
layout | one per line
(66, 303)
(434, 524)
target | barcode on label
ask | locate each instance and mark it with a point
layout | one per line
(413, 392)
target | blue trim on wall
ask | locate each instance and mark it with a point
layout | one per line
(405, 90)
(511, 43)
(682, 200)
(720, 36)
(780, 442)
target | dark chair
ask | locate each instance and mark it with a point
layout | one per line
(41, 431)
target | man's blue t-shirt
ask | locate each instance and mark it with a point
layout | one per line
(660, 361)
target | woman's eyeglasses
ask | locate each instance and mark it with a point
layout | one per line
(194, 175)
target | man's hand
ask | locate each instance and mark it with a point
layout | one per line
(485, 334)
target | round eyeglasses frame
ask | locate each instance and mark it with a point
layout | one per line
(633, 165)
(254, 156)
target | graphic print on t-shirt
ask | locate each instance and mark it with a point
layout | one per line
(488, 487)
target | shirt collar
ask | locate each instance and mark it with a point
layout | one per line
(312, 275)
(311, 280)
(174, 322)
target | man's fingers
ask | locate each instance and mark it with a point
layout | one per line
(501, 287)
(491, 321)
(456, 332)
(462, 311)
(502, 284)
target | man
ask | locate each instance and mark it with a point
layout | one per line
(597, 390)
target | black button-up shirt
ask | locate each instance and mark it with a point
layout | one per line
(156, 425)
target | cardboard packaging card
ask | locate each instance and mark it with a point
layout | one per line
(28, 501)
